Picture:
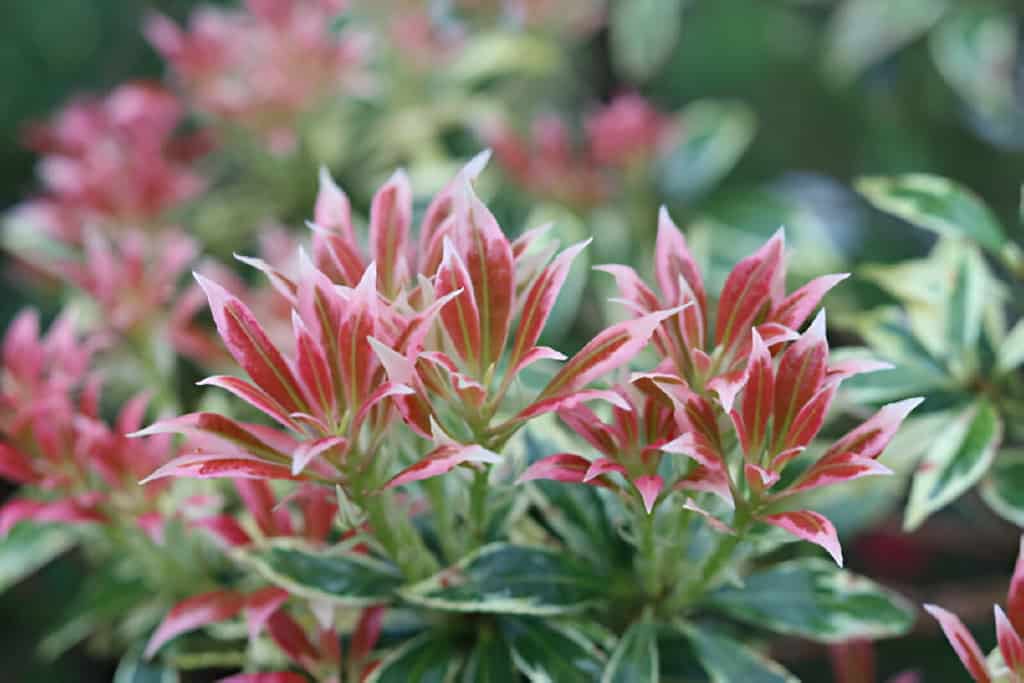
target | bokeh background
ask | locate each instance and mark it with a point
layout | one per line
(835, 90)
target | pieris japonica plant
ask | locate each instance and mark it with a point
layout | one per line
(419, 489)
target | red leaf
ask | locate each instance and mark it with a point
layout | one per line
(67, 511)
(649, 487)
(209, 466)
(218, 426)
(584, 422)
(795, 309)
(609, 350)
(872, 436)
(1015, 594)
(566, 467)
(460, 317)
(15, 466)
(390, 219)
(259, 500)
(311, 449)
(314, 372)
(290, 637)
(836, 468)
(1010, 644)
(540, 299)
(810, 418)
(254, 396)
(799, 377)
(250, 346)
(728, 386)
(487, 255)
(262, 605)
(366, 633)
(272, 677)
(747, 290)
(194, 613)
(226, 528)
(809, 526)
(441, 460)
(758, 394)
(672, 260)
(358, 324)
(603, 466)
(759, 478)
(963, 643)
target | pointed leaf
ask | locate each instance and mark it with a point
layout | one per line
(546, 651)
(429, 658)
(509, 579)
(335, 576)
(728, 661)
(635, 659)
(962, 641)
(193, 613)
(809, 526)
(443, 459)
(813, 599)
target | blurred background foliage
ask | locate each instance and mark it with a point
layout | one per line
(824, 91)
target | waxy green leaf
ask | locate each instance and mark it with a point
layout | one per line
(545, 651)
(814, 599)
(428, 658)
(502, 578)
(1003, 487)
(960, 456)
(490, 661)
(28, 547)
(935, 204)
(728, 661)
(635, 659)
(335, 576)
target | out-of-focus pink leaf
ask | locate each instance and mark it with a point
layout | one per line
(809, 526)
(262, 605)
(1010, 644)
(963, 643)
(194, 613)
(15, 465)
(226, 528)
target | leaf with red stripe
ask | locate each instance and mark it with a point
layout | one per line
(250, 346)
(609, 350)
(460, 317)
(836, 468)
(748, 290)
(210, 466)
(289, 636)
(870, 438)
(441, 460)
(262, 605)
(672, 261)
(270, 677)
(366, 634)
(809, 526)
(963, 643)
(1010, 645)
(222, 428)
(333, 210)
(487, 255)
(810, 418)
(356, 358)
(193, 613)
(566, 467)
(799, 377)
(390, 220)
(795, 309)
(758, 394)
(649, 487)
(313, 370)
(1015, 594)
(540, 299)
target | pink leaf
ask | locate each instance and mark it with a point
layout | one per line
(799, 377)
(631, 287)
(759, 478)
(872, 436)
(672, 260)
(461, 318)
(584, 422)
(540, 299)
(603, 466)
(747, 289)
(209, 466)
(15, 466)
(250, 346)
(290, 637)
(810, 418)
(1015, 594)
(795, 309)
(226, 528)
(963, 643)
(194, 613)
(67, 511)
(489, 262)
(609, 350)
(442, 459)
(366, 633)
(571, 400)
(649, 487)
(358, 324)
(218, 426)
(311, 449)
(758, 394)
(262, 605)
(272, 677)
(390, 219)
(809, 526)
(710, 480)
(566, 467)
(1010, 644)
(836, 468)
(254, 396)
(728, 386)
(332, 209)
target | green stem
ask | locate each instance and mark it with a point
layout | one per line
(717, 561)
(478, 507)
(647, 562)
(444, 518)
(397, 535)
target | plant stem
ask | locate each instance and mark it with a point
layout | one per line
(717, 560)
(478, 507)
(648, 558)
(398, 536)
(444, 518)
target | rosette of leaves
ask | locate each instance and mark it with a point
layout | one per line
(955, 334)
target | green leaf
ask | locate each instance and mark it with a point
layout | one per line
(103, 598)
(643, 34)
(28, 547)
(814, 599)
(937, 204)
(635, 659)
(714, 134)
(495, 54)
(961, 455)
(1011, 352)
(727, 660)
(1003, 488)
(490, 661)
(336, 576)
(864, 32)
(510, 579)
(429, 658)
(967, 305)
(131, 669)
(544, 651)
